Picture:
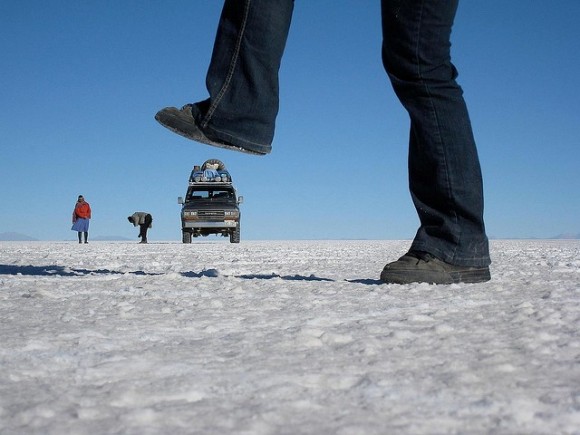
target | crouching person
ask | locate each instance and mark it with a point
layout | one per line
(144, 220)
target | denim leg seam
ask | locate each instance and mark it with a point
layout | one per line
(435, 117)
(215, 102)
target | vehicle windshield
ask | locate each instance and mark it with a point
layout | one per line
(210, 194)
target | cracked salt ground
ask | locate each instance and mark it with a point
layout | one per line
(284, 338)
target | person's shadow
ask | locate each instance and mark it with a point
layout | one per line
(54, 270)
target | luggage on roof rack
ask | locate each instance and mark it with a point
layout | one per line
(212, 170)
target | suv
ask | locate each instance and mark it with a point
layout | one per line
(211, 205)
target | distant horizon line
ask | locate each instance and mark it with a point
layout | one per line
(217, 239)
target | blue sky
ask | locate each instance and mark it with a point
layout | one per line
(81, 82)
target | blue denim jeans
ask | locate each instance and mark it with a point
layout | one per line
(242, 78)
(444, 171)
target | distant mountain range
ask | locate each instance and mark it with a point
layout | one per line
(18, 237)
(109, 238)
(567, 236)
(15, 237)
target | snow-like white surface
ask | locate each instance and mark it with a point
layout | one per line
(292, 337)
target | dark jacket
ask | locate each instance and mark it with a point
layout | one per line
(138, 218)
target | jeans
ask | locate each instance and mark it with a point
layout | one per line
(444, 171)
(242, 78)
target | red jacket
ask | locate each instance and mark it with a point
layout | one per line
(82, 210)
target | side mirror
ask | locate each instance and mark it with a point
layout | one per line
(180, 199)
(240, 199)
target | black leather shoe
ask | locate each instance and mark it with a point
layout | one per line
(419, 266)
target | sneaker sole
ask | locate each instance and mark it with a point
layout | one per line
(472, 276)
(191, 131)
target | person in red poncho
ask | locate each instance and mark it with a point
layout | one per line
(80, 218)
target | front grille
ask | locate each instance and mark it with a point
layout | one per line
(211, 215)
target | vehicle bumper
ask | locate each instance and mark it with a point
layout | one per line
(201, 224)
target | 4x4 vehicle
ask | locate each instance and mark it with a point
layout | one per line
(211, 205)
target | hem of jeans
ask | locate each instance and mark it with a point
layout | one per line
(454, 259)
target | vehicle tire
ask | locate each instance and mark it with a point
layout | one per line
(235, 235)
(186, 237)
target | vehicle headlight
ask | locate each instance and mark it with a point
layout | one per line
(189, 213)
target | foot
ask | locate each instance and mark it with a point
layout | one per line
(182, 122)
(418, 266)
(143, 241)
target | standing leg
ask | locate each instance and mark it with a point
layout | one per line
(242, 79)
(86, 233)
(80, 234)
(444, 171)
(144, 227)
(143, 233)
